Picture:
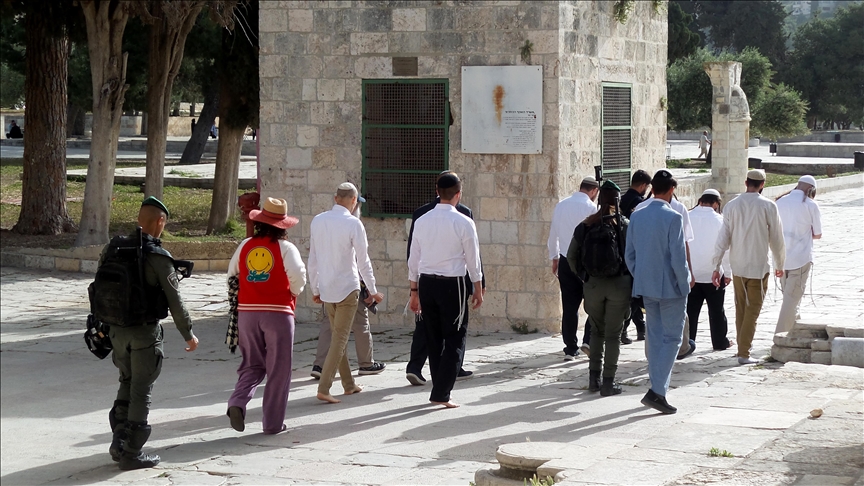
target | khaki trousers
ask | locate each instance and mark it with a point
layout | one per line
(362, 338)
(341, 316)
(749, 295)
(793, 283)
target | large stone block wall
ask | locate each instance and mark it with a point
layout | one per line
(313, 58)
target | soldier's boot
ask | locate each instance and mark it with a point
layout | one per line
(117, 419)
(609, 387)
(131, 458)
(593, 381)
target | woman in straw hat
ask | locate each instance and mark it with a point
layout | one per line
(271, 275)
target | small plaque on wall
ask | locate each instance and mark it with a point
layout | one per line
(404, 66)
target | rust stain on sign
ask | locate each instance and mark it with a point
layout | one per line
(498, 97)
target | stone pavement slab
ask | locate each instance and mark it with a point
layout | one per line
(55, 397)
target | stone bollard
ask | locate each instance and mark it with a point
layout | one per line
(521, 461)
(847, 351)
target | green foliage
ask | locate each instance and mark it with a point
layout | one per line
(683, 42)
(779, 112)
(622, 9)
(658, 5)
(715, 452)
(535, 481)
(239, 98)
(525, 51)
(523, 328)
(198, 70)
(11, 88)
(827, 65)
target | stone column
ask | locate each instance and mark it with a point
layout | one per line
(730, 123)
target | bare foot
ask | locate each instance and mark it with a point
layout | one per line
(449, 404)
(356, 389)
(328, 398)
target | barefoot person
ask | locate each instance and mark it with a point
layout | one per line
(271, 276)
(444, 247)
(337, 247)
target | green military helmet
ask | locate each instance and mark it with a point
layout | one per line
(607, 184)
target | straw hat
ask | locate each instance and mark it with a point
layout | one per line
(275, 213)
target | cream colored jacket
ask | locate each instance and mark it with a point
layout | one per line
(751, 224)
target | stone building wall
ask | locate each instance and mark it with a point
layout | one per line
(314, 56)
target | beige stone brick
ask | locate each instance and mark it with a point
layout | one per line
(409, 19)
(273, 21)
(493, 254)
(324, 158)
(307, 136)
(494, 208)
(373, 67)
(484, 231)
(521, 305)
(298, 158)
(397, 249)
(309, 90)
(67, 264)
(331, 89)
(89, 266)
(325, 181)
(505, 232)
(369, 43)
(300, 20)
(322, 113)
(383, 271)
(203, 265)
(549, 306)
(494, 304)
(510, 277)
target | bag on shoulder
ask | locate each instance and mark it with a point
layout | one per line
(120, 296)
(601, 253)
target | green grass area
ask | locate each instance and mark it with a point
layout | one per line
(189, 208)
(772, 179)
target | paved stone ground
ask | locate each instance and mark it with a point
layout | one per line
(55, 398)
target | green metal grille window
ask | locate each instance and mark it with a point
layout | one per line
(405, 143)
(616, 145)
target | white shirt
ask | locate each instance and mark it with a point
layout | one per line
(569, 212)
(336, 245)
(801, 222)
(291, 260)
(706, 225)
(445, 243)
(751, 224)
(681, 209)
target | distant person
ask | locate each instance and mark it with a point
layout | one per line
(193, 126)
(657, 258)
(569, 212)
(14, 130)
(271, 276)
(802, 223)
(707, 221)
(639, 184)
(751, 224)
(596, 255)
(254, 134)
(703, 145)
(214, 132)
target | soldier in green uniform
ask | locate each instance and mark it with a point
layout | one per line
(138, 349)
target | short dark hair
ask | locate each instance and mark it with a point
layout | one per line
(754, 183)
(449, 192)
(640, 177)
(663, 185)
(709, 199)
(587, 186)
(265, 230)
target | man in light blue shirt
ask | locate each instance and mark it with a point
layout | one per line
(657, 259)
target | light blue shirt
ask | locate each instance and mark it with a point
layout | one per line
(655, 253)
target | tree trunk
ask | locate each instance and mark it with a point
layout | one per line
(75, 127)
(106, 22)
(198, 141)
(191, 109)
(43, 192)
(167, 41)
(226, 177)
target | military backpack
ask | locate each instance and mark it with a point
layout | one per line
(602, 249)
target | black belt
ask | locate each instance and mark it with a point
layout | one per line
(439, 277)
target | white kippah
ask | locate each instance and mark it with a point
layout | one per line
(347, 186)
(711, 192)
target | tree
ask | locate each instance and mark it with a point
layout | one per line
(11, 55)
(238, 108)
(204, 47)
(43, 192)
(106, 20)
(780, 112)
(735, 25)
(682, 41)
(827, 66)
(170, 24)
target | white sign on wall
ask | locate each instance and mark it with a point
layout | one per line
(502, 109)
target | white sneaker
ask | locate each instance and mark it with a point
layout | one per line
(746, 361)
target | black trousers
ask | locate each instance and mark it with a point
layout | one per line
(714, 297)
(571, 297)
(636, 315)
(419, 350)
(443, 302)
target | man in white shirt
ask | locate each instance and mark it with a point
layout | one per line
(707, 221)
(802, 223)
(337, 244)
(443, 248)
(569, 212)
(751, 224)
(704, 143)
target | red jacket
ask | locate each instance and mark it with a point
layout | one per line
(264, 284)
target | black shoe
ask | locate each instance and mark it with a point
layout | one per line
(625, 339)
(690, 351)
(372, 370)
(131, 458)
(130, 462)
(640, 335)
(415, 379)
(316, 372)
(117, 420)
(570, 355)
(593, 381)
(237, 421)
(658, 403)
(464, 375)
(610, 388)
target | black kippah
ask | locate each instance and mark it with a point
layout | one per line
(447, 181)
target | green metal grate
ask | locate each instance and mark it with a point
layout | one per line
(405, 143)
(616, 146)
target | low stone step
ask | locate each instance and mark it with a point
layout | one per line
(531, 455)
(785, 355)
(808, 333)
(835, 331)
(782, 339)
(489, 476)
(810, 325)
(820, 357)
(821, 345)
(848, 351)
